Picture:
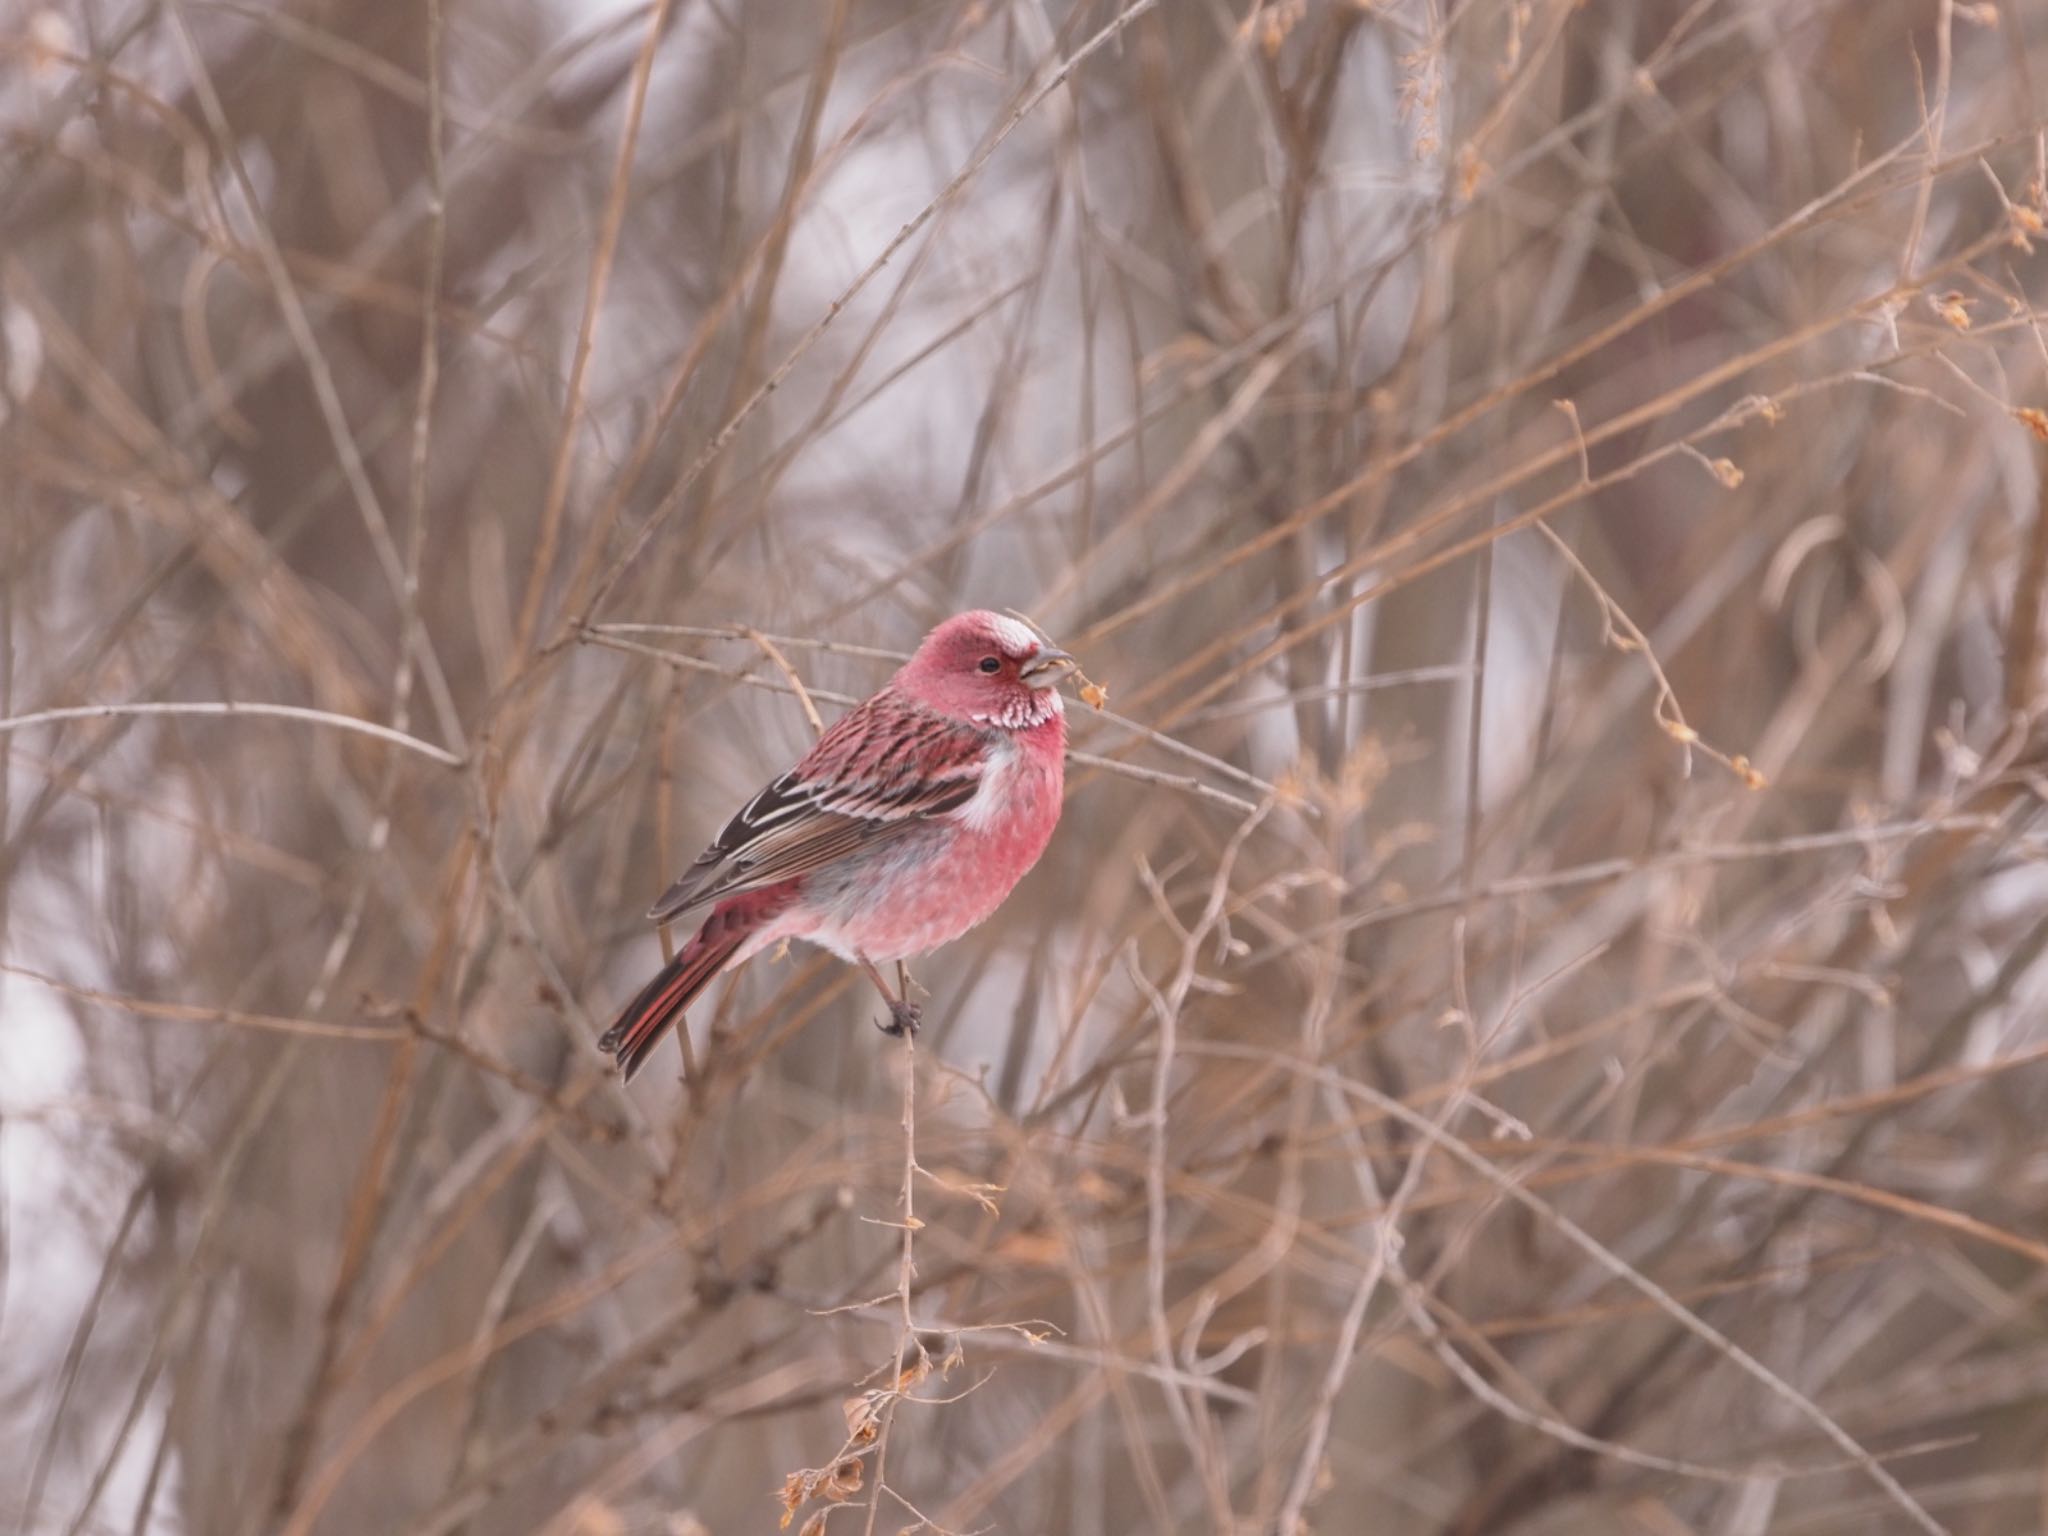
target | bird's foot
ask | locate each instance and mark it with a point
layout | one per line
(904, 1017)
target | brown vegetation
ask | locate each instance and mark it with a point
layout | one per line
(1531, 1022)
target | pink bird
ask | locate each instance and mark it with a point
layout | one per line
(907, 824)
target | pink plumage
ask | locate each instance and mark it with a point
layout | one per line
(911, 819)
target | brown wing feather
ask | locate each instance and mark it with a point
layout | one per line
(877, 773)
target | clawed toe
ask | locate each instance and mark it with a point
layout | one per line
(903, 1020)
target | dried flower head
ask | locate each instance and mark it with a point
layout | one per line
(863, 1417)
(835, 1484)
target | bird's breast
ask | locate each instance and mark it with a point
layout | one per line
(927, 890)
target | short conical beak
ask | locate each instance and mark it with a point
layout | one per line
(1047, 668)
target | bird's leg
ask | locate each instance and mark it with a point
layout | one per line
(907, 983)
(904, 1016)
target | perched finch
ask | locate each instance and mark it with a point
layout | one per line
(907, 824)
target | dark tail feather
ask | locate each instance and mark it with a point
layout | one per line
(662, 1001)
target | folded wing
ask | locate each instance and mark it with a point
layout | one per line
(878, 773)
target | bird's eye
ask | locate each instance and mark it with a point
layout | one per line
(991, 664)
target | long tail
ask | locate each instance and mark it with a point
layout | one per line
(662, 1001)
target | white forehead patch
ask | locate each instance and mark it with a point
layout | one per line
(1013, 637)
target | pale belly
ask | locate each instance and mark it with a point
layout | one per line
(914, 894)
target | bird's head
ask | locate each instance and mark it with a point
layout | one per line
(988, 669)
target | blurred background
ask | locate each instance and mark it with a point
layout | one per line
(1532, 1019)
